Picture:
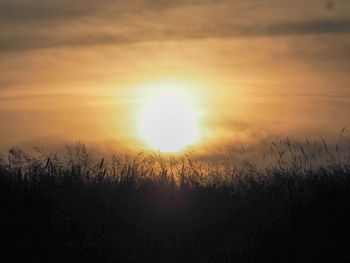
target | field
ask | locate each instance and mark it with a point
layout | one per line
(154, 208)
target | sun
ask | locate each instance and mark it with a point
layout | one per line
(169, 122)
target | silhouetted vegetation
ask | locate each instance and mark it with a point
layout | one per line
(152, 208)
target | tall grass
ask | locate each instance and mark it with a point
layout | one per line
(291, 206)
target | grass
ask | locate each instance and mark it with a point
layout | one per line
(291, 206)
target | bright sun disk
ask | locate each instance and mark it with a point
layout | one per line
(169, 123)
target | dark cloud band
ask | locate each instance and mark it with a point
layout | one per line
(37, 41)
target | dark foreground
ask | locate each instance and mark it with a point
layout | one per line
(54, 214)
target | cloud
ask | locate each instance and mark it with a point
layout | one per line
(21, 11)
(17, 11)
(51, 23)
(324, 26)
(21, 14)
(23, 43)
(38, 40)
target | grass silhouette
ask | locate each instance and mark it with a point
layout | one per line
(294, 207)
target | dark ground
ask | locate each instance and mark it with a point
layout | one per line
(62, 216)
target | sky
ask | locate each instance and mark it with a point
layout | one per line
(254, 70)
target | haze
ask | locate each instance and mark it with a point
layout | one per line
(81, 70)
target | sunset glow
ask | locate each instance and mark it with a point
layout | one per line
(168, 123)
(170, 75)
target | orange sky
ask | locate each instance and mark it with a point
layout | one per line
(81, 70)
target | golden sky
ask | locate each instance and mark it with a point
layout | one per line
(83, 70)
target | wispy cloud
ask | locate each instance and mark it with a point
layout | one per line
(46, 24)
(37, 40)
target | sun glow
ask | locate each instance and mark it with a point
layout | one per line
(169, 122)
